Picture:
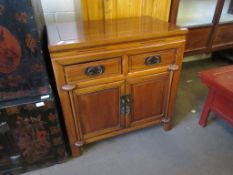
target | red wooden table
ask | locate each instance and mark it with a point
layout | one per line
(220, 96)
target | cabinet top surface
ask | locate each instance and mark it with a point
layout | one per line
(79, 34)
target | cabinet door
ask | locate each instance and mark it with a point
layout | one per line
(97, 110)
(149, 98)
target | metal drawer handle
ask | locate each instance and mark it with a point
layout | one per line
(95, 70)
(151, 60)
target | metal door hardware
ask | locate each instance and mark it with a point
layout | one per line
(151, 60)
(125, 105)
(95, 70)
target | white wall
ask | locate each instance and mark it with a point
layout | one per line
(61, 10)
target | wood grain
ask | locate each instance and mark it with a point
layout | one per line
(71, 128)
(97, 109)
(148, 96)
(78, 72)
(77, 34)
(99, 112)
(137, 62)
(224, 35)
(174, 11)
(197, 39)
(115, 9)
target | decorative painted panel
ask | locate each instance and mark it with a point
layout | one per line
(30, 136)
(22, 69)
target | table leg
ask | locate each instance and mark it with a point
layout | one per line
(206, 109)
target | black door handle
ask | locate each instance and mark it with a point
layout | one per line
(95, 70)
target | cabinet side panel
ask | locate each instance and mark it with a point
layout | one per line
(71, 129)
(197, 39)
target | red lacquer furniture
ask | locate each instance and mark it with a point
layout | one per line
(220, 96)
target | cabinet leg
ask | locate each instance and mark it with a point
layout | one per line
(204, 116)
(75, 151)
(76, 148)
(167, 124)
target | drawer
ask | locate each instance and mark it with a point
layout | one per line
(93, 70)
(151, 60)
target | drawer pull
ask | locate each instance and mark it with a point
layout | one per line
(95, 70)
(151, 60)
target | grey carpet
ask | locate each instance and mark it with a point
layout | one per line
(187, 149)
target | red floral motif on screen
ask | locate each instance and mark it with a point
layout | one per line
(32, 138)
(52, 117)
(2, 10)
(12, 81)
(22, 17)
(31, 43)
(10, 51)
(37, 68)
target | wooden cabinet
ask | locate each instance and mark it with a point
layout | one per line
(115, 81)
(210, 29)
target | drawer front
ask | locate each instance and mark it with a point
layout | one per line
(93, 70)
(151, 60)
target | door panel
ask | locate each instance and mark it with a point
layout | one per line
(98, 109)
(148, 98)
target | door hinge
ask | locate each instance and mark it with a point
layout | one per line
(125, 105)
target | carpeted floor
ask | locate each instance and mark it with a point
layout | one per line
(187, 149)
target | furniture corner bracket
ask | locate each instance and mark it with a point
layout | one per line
(68, 87)
(173, 67)
(165, 120)
(79, 144)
